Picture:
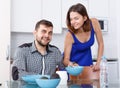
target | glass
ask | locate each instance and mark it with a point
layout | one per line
(70, 84)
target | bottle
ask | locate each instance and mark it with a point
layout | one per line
(103, 73)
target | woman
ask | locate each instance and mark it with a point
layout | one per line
(80, 38)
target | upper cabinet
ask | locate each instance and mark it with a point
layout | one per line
(25, 14)
(51, 10)
(66, 5)
(99, 8)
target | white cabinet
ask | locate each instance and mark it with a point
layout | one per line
(4, 40)
(113, 70)
(99, 8)
(25, 14)
(66, 5)
(51, 10)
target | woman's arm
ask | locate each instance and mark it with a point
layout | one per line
(99, 38)
(67, 49)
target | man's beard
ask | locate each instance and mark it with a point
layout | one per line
(41, 44)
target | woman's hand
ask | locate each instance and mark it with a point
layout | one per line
(96, 67)
(72, 64)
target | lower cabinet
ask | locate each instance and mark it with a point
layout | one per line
(113, 70)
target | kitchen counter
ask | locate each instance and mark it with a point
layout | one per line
(108, 59)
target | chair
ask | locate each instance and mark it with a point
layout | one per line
(15, 73)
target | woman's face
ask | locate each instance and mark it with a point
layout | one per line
(76, 20)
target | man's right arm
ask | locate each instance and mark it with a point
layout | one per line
(19, 68)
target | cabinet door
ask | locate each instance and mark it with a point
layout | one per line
(66, 5)
(51, 10)
(99, 8)
(113, 71)
(4, 40)
(24, 15)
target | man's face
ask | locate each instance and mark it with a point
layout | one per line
(43, 35)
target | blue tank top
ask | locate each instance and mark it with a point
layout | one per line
(81, 52)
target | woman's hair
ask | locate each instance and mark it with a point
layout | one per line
(79, 8)
(44, 22)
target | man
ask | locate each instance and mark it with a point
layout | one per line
(38, 57)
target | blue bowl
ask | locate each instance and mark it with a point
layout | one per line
(30, 86)
(47, 83)
(74, 70)
(31, 78)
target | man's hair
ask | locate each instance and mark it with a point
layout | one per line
(43, 22)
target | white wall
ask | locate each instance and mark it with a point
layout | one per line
(118, 31)
(4, 39)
